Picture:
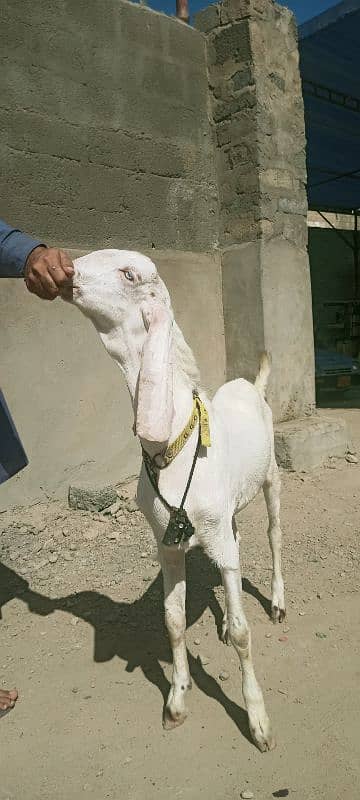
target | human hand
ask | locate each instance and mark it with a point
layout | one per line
(47, 271)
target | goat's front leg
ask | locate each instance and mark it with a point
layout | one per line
(225, 625)
(240, 637)
(173, 568)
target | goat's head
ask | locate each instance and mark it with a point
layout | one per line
(115, 287)
(123, 295)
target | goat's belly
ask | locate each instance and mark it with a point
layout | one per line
(246, 485)
(245, 494)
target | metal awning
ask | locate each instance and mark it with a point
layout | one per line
(330, 70)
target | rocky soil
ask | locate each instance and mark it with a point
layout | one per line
(82, 637)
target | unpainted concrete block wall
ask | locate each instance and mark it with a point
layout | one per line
(257, 108)
(105, 140)
(122, 127)
(104, 134)
(259, 120)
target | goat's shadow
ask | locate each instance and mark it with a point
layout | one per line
(135, 632)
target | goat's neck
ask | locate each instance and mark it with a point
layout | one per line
(183, 403)
(128, 357)
(126, 352)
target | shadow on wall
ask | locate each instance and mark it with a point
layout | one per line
(135, 632)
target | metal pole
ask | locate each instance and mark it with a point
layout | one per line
(338, 233)
(356, 253)
(182, 10)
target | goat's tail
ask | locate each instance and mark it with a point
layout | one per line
(262, 378)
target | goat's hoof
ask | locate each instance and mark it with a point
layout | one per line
(265, 745)
(225, 637)
(277, 614)
(263, 738)
(172, 720)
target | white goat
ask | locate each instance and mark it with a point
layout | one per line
(123, 295)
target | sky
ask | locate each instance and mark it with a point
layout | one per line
(303, 9)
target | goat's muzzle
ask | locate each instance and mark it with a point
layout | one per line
(67, 292)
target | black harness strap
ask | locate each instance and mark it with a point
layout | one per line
(179, 528)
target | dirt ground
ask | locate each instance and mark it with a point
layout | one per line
(83, 639)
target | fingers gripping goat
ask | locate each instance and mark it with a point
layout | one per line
(123, 295)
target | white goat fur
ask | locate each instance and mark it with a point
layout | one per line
(122, 293)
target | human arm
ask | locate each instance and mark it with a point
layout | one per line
(45, 269)
(15, 248)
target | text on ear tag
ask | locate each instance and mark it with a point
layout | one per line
(204, 425)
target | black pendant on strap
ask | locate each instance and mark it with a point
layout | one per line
(179, 528)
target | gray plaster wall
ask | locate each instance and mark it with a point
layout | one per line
(104, 128)
(266, 298)
(68, 398)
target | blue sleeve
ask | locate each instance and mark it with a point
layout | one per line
(15, 247)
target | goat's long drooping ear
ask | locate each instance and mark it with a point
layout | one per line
(154, 408)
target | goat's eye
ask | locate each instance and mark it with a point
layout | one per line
(129, 275)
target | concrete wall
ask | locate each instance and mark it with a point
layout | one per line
(68, 398)
(258, 115)
(123, 127)
(104, 131)
(105, 140)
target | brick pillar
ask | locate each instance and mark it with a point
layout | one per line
(257, 111)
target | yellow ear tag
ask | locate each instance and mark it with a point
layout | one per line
(204, 425)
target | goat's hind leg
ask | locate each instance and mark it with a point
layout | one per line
(239, 633)
(173, 568)
(271, 489)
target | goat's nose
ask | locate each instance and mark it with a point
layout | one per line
(78, 278)
(67, 292)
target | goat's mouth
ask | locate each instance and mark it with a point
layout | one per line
(69, 293)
